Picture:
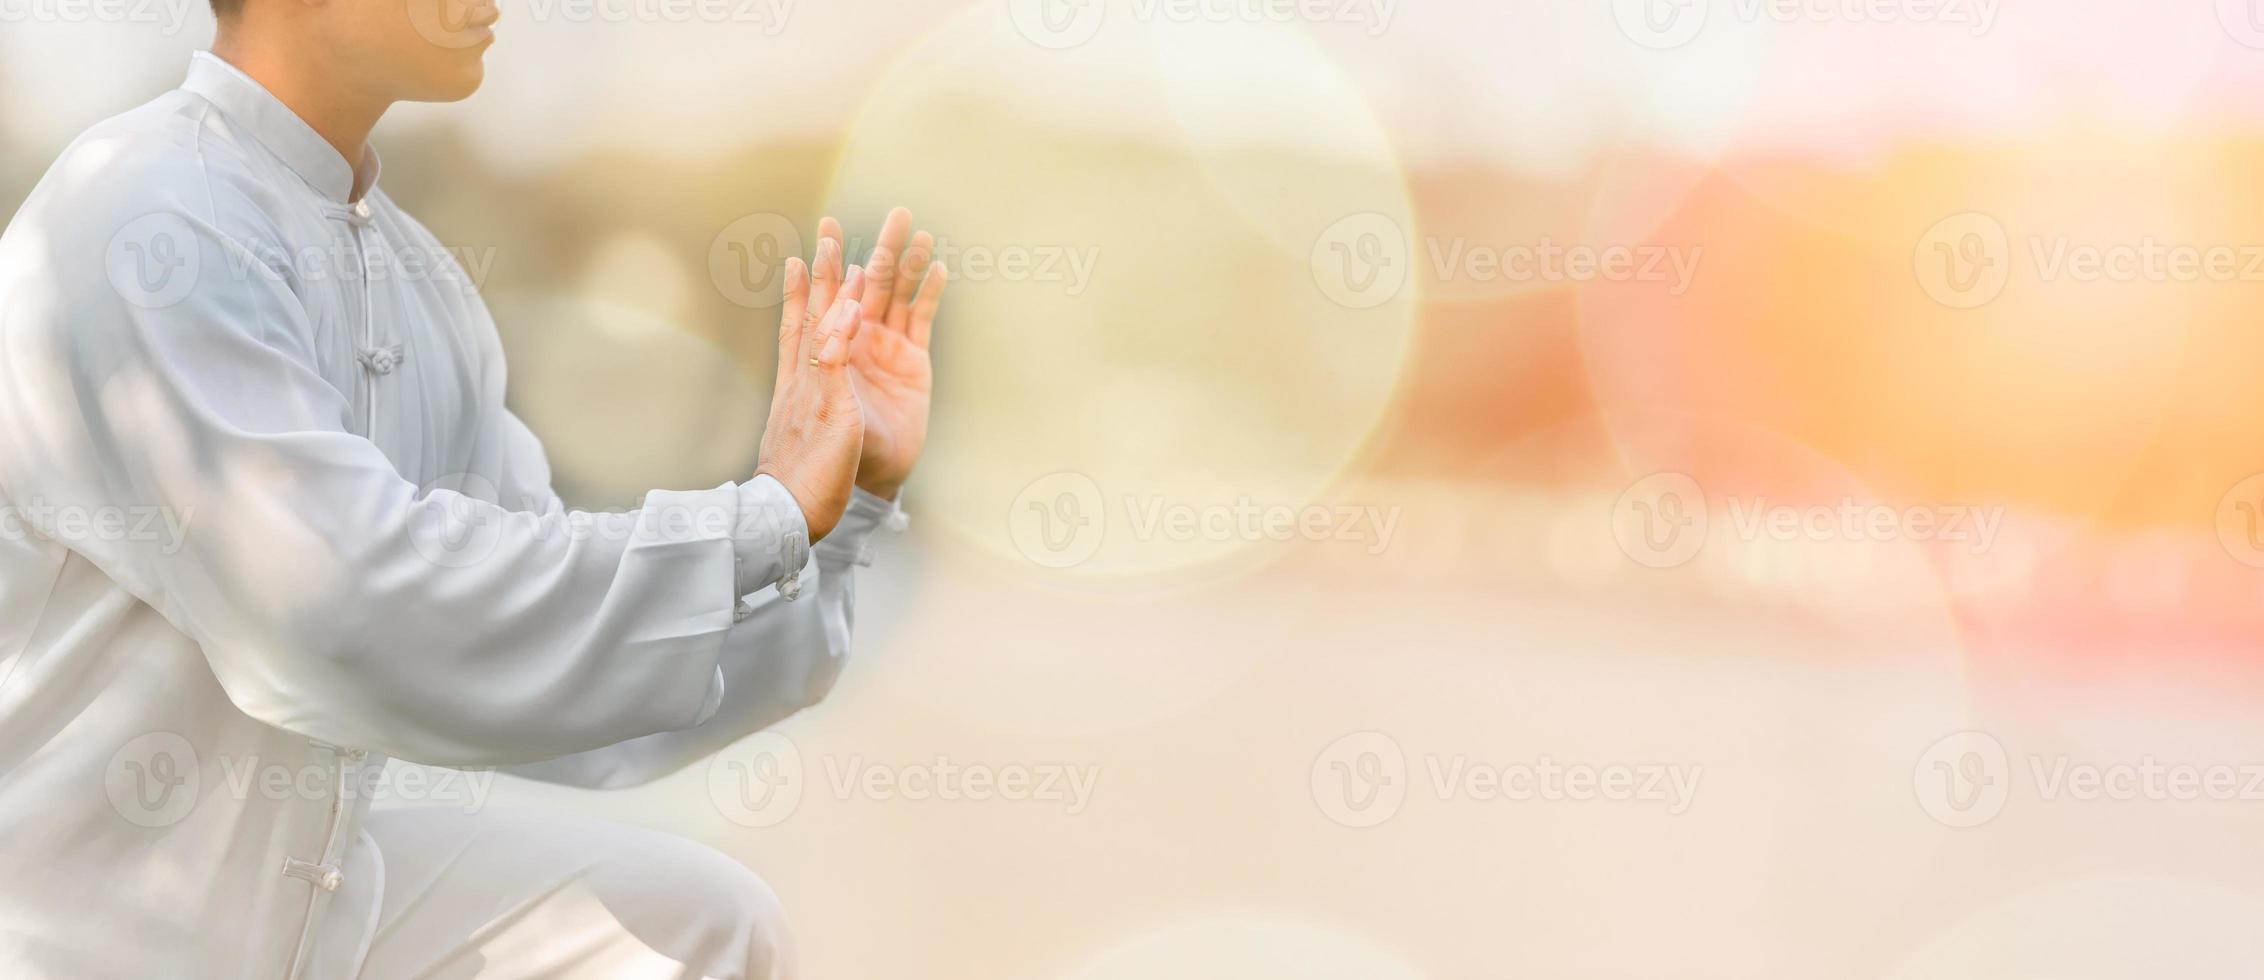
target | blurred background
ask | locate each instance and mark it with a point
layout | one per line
(1430, 488)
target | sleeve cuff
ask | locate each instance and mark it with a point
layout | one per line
(771, 541)
(851, 540)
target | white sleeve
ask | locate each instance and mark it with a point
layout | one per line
(332, 597)
(784, 656)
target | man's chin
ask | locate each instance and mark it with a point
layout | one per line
(456, 84)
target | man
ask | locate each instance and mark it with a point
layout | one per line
(370, 561)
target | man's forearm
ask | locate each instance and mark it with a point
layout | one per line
(782, 658)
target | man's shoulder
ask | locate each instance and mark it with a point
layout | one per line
(170, 156)
(161, 187)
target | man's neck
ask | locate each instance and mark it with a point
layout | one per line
(342, 117)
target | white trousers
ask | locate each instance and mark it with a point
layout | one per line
(522, 894)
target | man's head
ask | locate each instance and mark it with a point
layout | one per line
(395, 50)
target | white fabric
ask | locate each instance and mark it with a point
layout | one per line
(262, 509)
(525, 894)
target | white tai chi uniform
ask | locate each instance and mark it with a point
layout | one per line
(262, 510)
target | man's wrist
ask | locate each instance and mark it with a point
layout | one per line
(772, 540)
(880, 478)
(851, 542)
(815, 526)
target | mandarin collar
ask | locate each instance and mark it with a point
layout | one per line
(248, 104)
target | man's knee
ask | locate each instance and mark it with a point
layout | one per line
(752, 914)
(733, 924)
(506, 889)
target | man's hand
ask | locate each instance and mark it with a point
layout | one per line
(816, 430)
(889, 357)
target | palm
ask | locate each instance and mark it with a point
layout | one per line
(893, 379)
(889, 358)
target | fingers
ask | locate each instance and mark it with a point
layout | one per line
(825, 276)
(908, 276)
(814, 340)
(842, 326)
(790, 323)
(931, 299)
(829, 231)
(881, 284)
